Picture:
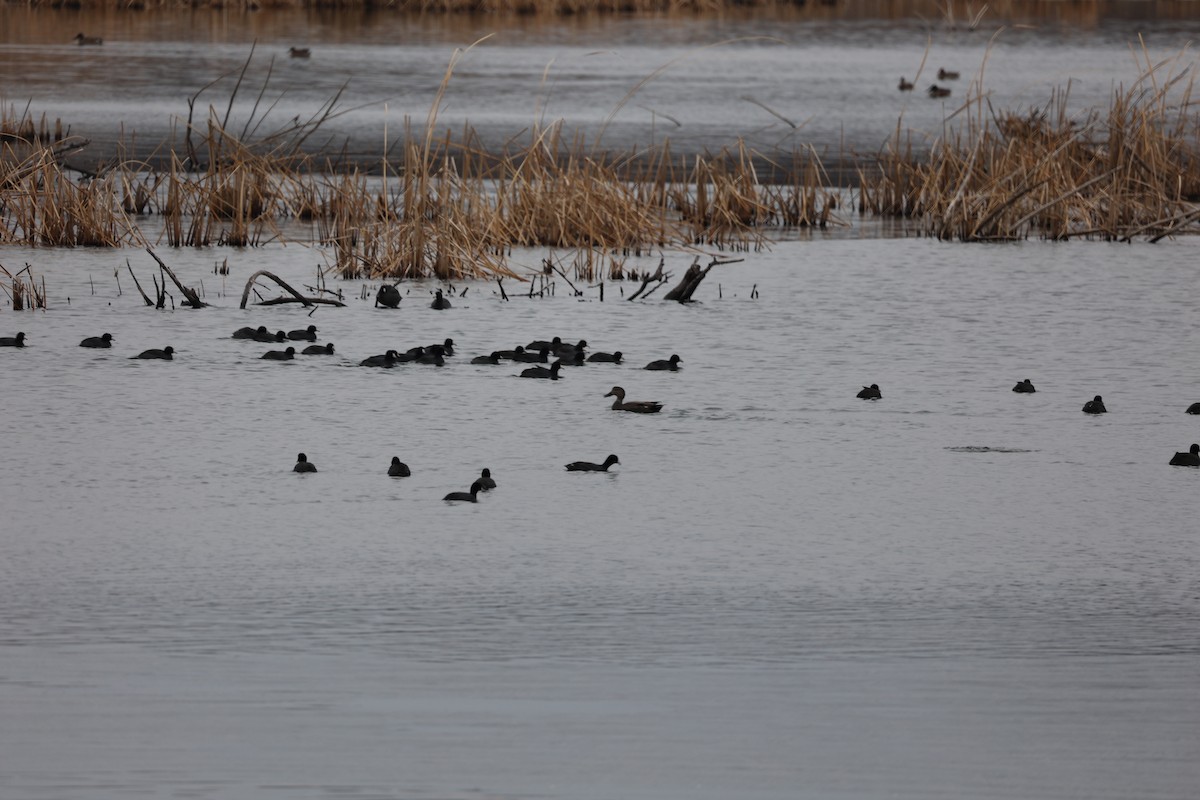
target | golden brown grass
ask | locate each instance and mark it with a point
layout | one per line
(1131, 171)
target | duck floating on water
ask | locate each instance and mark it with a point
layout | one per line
(1095, 406)
(671, 364)
(280, 355)
(494, 358)
(486, 481)
(398, 469)
(97, 341)
(938, 91)
(303, 464)
(13, 341)
(309, 334)
(870, 393)
(318, 350)
(1194, 408)
(588, 466)
(387, 359)
(166, 354)
(543, 372)
(608, 358)
(905, 85)
(636, 406)
(946, 75)
(1189, 459)
(527, 356)
(440, 303)
(468, 497)
(1024, 387)
(299, 52)
(87, 41)
(388, 296)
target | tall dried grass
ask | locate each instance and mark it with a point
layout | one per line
(1131, 171)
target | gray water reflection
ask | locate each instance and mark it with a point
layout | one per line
(776, 83)
(781, 591)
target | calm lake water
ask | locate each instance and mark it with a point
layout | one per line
(781, 591)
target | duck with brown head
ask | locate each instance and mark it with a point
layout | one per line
(634, 406)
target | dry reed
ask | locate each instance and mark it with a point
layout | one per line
(1132, 171)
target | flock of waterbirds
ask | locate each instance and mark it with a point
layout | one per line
(1093, 406)
(539, 352)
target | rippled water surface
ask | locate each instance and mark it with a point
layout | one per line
(815, 80)
(781, 591)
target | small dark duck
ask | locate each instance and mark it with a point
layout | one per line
(398, 469)
(265, 336)
(1189, 459)
(870, 393)
(1024, 387)
(494, 358)
(166, 354)
(587, 466)
(905, 85)
(938, 91)
(303, 464)
(97, 341)
(946, 75)
(318, 350)
(608, 358)
(1194, 408)
(1095, 406)
(486, 481)
(13, 341)
(543, 372)
(439, 303)
(87, 41)
(468, 497)
(388, 359)
(309, 334)
(299, 52)
(280, 355)
(671, 364)
(388, 296)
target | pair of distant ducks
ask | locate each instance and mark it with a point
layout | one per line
(934, 90)
(84, 40)
(388, 295)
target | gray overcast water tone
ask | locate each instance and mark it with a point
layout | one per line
(781, 591)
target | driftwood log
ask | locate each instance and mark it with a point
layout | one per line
(296, 297)
(193, 299)
(657, 277)
(683, 291)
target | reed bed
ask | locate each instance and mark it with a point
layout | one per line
(1132, 171)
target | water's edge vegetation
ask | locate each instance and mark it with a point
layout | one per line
(437, 203)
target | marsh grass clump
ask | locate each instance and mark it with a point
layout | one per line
(23, 290)
(1131, 171)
